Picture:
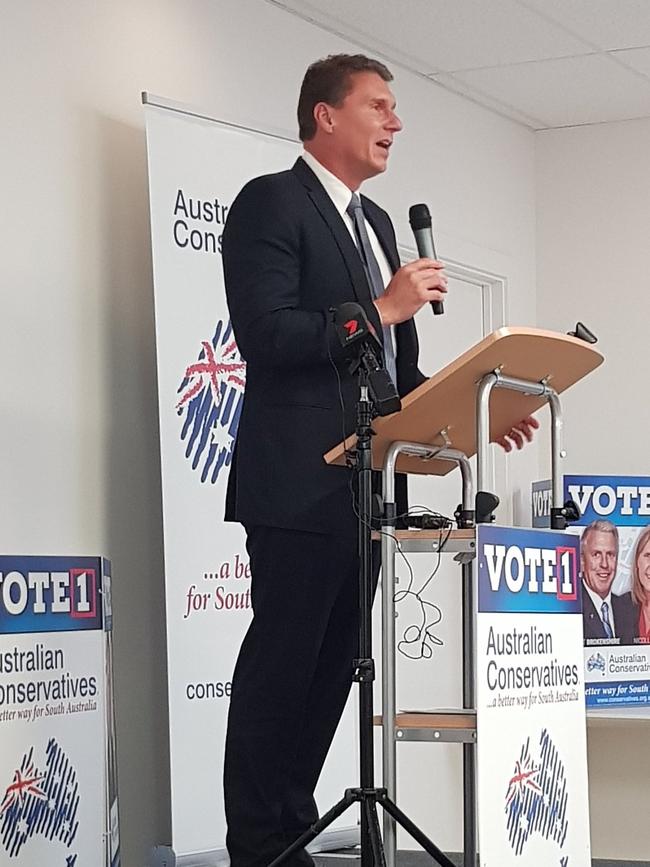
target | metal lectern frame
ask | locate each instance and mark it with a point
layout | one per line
(463, 545)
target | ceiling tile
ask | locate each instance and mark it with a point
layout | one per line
(565, 92)
(606, 24)
(635, 58)
(453, 83)
(440, 35)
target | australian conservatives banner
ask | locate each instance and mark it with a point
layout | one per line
(196, 168)
(615, 583)
(532, 754)
(58, 793)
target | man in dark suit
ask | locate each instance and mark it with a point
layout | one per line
(296, 244)
(604, 614)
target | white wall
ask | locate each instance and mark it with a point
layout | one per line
(79, 462)
(593, 230)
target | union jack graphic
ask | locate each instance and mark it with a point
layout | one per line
(524, 776)
(536, 797)
(25, 783)
(40, 803)
(210, 399)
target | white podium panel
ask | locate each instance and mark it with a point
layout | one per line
(532, 749)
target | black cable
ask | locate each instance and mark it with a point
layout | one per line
(423, 635)
(340, 391)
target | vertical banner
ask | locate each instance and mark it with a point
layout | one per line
(531, 734)
(58, 799)
(615, 529)
(196, 168)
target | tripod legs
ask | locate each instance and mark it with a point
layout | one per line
(325, 820)
(402, 819)
(372, 848)
(368, 798)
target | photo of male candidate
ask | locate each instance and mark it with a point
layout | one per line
(605, 615)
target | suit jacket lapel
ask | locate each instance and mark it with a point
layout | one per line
(337, 227)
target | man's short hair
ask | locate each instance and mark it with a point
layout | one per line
(600, 526)
(330, 80)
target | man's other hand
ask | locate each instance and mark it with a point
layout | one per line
(411, 287)
(519, 434)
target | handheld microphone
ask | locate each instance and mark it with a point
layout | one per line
(420, 220)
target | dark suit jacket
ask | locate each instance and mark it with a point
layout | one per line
(625, 626)
(288, 258)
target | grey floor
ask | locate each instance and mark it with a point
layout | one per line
(350, 858)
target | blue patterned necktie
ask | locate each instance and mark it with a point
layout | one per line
(373, 275)
(604, 610)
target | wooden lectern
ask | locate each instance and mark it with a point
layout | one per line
(445, 421)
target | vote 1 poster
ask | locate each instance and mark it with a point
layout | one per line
(615, 583)
(58, 792)
(531, 743)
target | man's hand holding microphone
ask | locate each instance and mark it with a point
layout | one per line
(422, 281)
(411, 287)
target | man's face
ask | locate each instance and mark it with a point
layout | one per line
(364, 126)
(599, 554)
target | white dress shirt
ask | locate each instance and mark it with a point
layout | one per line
(340, 195)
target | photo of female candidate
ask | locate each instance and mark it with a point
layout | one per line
(641, 585)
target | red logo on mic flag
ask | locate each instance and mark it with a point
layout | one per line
(351, 326)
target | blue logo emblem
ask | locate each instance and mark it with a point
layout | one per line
(536, 797)
(596, 662)
(40, 801)
(209, 401)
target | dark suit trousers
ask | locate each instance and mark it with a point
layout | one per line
(290, 685)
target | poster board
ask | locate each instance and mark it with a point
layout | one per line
(58, 781)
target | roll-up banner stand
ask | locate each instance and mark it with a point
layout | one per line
(533, 804)
(197, 165)
(615, 573)
(58, 780)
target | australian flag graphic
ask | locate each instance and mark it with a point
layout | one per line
(536, 797)
(40, 801)
(209, 401)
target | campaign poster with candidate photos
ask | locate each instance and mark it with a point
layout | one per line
(531, 744)
(58, 797)
(615, 584)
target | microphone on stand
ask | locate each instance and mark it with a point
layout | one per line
(357, 335)
(353, 326)
(420, 220)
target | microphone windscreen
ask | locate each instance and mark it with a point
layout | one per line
(419, 217)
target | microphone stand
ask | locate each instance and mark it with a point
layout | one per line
(367, 794)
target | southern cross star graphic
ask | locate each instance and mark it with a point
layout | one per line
(221, 437)
(523, 823)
